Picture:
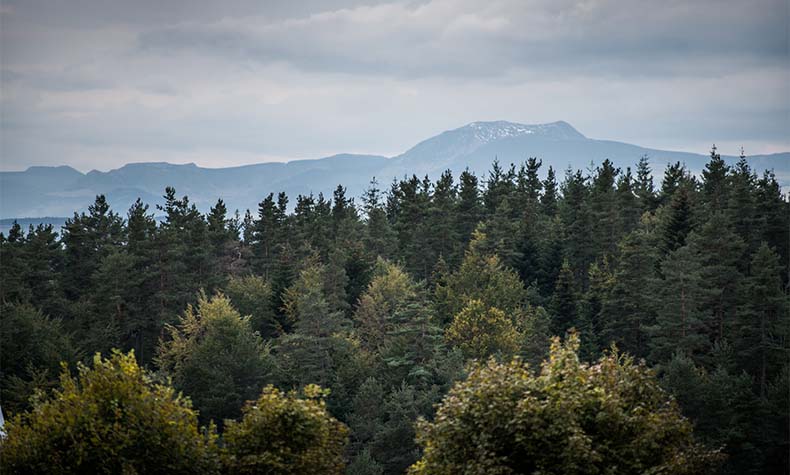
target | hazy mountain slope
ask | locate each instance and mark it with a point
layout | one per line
(58, 191)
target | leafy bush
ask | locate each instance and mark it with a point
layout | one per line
(572, 418)
(109, 419)
(283, 433)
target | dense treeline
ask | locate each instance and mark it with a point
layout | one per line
(385, 301)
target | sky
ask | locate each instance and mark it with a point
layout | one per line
(95, 84)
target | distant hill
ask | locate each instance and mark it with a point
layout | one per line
(59, 191)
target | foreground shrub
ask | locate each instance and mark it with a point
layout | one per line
(572, 418)
(283, 433)
(111, 418)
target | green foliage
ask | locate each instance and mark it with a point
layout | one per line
(382, 303)
(610, 417)
(480, 332)
(111, 418)
(33, 347)
(482, 276)
(215, 357)
(252, 295)
(285, 433)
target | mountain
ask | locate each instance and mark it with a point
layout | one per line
(58, 191)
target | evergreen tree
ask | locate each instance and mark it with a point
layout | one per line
(679, 297)
(604, 208)
(628, 207)
(563, 305)
(629, 311)
(379, 238)
(761, 333)
(214, 355)
(87, 239)
(720, 252)
(470, 210)
(548, 200)
(579, 247)
(643, 186)
(676, 221)
(715, 193)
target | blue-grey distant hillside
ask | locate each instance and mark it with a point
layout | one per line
(58, 191)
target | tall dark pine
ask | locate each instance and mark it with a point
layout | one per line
(676, 221)
(604, 208)
(579, 244)
(378, 237)
(721, 256)
(763, 324)
(628, 207)
(87, 239)
(268, 234)
(548, 200)
(629, 309)
(772, 218)
(674, 177)
(563, 305)
(183, 253)
(715, 193)
(440, 222)
(643, 185)
(469, 207)
(142, 327)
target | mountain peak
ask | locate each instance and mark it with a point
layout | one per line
(494, 130)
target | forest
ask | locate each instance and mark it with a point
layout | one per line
(645, 319)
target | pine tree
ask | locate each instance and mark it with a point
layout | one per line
(741, 205)
(679, 308)
(470, 210)
(141, 328)
(214, 355)
(676, 221)
(762, 324)
(563, 305)
(604, 208)
(715, 191)
(87, 239)
(643, 186)
(308, 353)
(628, 207)
(629, 310)
(579, 245)
(548, 200)
(721, 254)
(378, 238)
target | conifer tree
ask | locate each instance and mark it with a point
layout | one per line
(679, 299)
(579, 245)
(469, 207)
(604, 208)
(763, 325)
(644, 187)
(628, 310)
(715, 179)
(548, 200)
(215, 356)
(563, 305)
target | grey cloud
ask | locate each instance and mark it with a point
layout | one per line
(97, 83)
(456, 38)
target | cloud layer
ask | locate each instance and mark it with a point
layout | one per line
(95, 84)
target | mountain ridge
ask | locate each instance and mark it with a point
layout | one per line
(59, 190)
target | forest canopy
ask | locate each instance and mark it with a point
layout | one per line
(399, 306)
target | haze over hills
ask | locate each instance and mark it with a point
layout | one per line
(58, 191)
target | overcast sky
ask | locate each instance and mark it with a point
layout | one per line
(100, 83)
